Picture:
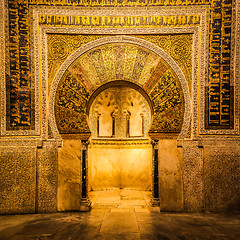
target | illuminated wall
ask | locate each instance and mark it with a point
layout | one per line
(55, 55)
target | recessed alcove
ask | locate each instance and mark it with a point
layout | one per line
(120, 150)
(119, 112)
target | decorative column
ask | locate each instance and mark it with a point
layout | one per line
(142, 116)
(128, 115)
(155, 202)
(113, 115)
(98, 124)
(85, 203)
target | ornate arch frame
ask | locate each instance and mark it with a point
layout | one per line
(85, 201)
(199, 55)
(121, 39)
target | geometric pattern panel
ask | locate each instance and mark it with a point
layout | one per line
(70, 107)
(168, 104)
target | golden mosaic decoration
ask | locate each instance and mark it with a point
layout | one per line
(117, 3)
(64, 45)
(119, 21)
(178, 46)
(120, 61)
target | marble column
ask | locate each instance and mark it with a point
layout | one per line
(155, 178)
(85, 203)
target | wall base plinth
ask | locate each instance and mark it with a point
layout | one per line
(154, 205)
(85, 205)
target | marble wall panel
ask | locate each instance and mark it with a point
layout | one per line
(69, 175)
(170, 175)
(17, 179)
(120, 166)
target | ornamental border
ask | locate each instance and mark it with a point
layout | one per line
(2, 63)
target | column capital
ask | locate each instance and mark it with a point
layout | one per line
(154, 143)
(85, 144)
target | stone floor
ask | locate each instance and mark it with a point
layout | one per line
(120, 200)
(119, 225)
(123, 218)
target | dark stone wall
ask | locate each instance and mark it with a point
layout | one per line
(222, 177)
(193, 177)
(47, 177)
(17, 179)
(211, 176)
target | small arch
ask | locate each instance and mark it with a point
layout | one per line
(116, 84)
